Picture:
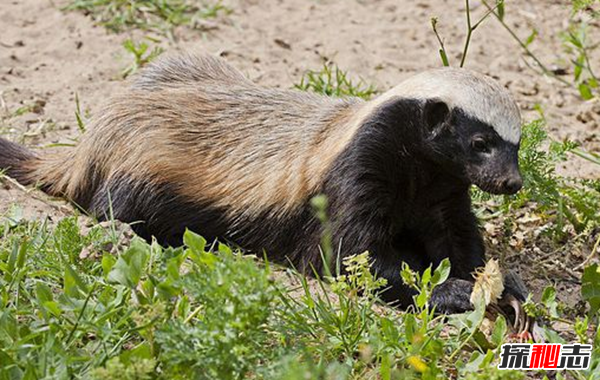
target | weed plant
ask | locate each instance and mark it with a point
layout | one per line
(332, 81)
(150, 15)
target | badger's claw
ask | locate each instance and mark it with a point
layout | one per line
(520, 315)
(510, 305)
(522, 325)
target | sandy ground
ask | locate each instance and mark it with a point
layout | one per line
(47, 56)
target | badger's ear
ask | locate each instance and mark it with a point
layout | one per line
(435, 113)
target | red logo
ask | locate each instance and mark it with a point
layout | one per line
(545, 356)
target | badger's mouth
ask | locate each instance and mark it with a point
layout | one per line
(494, 183)
(507, 186)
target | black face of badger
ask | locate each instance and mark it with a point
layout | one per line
(472, 149)
(194, 144)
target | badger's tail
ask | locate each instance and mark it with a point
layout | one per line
(18, 162)
(50, 172)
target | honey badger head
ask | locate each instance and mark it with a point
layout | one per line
(471, 124)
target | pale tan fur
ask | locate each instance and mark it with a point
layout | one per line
(198, 124)
(216, 137)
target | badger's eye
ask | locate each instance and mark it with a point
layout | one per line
(480, 145)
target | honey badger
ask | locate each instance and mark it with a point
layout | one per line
(194, 144)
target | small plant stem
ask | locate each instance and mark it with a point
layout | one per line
(486, 15)
(463, 343)
(193, 314)
(470, 29)
(589, 65)
(591, 157)
(442, 50)
(83, 308)
(544, 69)
(591, 255)
(469, 33)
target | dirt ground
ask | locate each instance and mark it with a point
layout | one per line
(48, 56)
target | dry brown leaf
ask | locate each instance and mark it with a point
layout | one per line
(489, 283)
(491, 229)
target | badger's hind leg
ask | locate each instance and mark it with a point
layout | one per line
(155, 210)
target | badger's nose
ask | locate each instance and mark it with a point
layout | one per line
(512, 185)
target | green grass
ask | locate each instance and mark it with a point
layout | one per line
(208, 312)
(142, 55)
(155, 15)
(332, 81)
(195, 312)
(568, 208)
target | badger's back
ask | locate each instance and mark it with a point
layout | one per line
(193, 143)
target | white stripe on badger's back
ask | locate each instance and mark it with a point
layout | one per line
(478, 95)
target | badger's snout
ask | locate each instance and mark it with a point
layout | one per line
(506, 184)
(512, 184)
(495, 182)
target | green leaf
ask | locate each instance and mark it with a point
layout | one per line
(8, 367)
(482, 341)
(108, 262)
(12, 261)
(426, 277)
(575, 40)
(194, 241)
(499, 332)
(43, 292)
(549, 300)
(421, 300)
(74, 285)
(225, 249)
(500, 8)
(531, 37)
(489, 357)
(474, 362)
(407, 275)
(22, 254)
(590, 287)
(131, 264)
(444, 57)
(78, 113)
(53, 307)
(143, 351)
(410, 327)
(385, 370)
(578, 69)
(475, 318)
(585, 91)
(441, 273)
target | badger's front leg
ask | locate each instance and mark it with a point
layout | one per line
(438, 235)
(450, 231)
(455, 235)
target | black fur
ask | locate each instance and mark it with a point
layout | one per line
(389, 197)
(403, 218)
(157, 210)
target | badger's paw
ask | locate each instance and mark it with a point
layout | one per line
(453, 296)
